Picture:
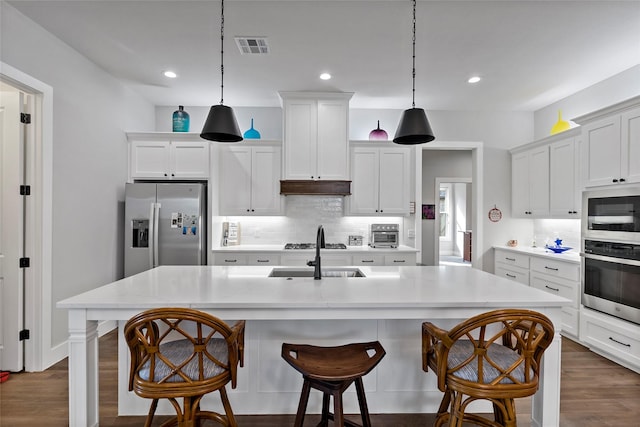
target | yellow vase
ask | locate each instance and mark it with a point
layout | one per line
(561, 125)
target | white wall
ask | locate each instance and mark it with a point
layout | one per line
(92, 110)
(607, 92)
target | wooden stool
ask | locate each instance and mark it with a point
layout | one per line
(332, 370)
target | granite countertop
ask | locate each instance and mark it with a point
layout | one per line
(572, 255)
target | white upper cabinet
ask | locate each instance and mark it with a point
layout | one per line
(379, 181)
(167, 156)
(611, 138)
(248, 180)
(530, 182)
(564, 179)
(316, 134)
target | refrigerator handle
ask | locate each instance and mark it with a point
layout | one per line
(152, 234)
(156, 216)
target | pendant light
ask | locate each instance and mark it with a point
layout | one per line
(221, 124)
(414, 128)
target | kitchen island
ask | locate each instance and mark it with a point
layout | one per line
(388, 305)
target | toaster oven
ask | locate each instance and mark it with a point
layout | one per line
(384, 236)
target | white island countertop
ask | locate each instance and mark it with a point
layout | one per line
(388, 305)
(248, 287)
(572, 255)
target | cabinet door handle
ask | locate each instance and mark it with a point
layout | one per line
(510, 275)
(509, 259)
(399, 260)
(230, 260)
(263, 260)
(619, 342)
(551, 268)
(366, 260)
(553, 289)
(622, 180)
(615, 180)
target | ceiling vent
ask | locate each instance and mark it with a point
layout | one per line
(253, 45)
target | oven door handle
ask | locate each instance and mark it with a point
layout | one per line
(610, 259)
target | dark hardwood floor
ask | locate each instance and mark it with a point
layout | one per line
(595, 392)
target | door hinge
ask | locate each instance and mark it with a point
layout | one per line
(25, 190)
(24, 334)
(25, 262)
(25, 118)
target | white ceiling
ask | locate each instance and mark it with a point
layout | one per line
(529, 53)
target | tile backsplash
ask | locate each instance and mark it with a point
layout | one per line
(547, 230)
(303, 216)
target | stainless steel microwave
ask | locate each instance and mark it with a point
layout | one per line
(612, 214)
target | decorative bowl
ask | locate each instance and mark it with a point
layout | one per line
(558, 249)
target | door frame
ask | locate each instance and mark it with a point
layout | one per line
(39, 353)
(436, 235)
(477, 196)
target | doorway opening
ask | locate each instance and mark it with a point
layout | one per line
(453, 241)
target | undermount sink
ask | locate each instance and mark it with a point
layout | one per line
(308, 272)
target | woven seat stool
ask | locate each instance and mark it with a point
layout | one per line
(332, 370)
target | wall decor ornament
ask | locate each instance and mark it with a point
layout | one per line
(428, 211)
(378, 134)
(252, 133)
(495, 214)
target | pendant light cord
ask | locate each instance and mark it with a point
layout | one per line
(413, 101)
(222, 52)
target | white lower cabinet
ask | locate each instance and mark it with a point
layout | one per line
(613, 338)
(326, 260)
(557, 277)
(249, 258)
(333, 259)
(512, 265)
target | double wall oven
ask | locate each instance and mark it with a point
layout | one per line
(611, 252)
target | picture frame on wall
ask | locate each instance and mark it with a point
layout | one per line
(428, 211)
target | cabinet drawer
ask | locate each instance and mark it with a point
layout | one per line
(230, 259)
(517, 274)
(367, 259)
(557, 286)
(400, 259)
(555, 268)
(618, 338)
(512, 258)
(263, 259)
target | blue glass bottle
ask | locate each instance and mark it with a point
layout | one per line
(180, 120)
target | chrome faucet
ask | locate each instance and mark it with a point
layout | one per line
(317, 272)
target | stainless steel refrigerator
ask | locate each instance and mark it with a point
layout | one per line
(165, 224)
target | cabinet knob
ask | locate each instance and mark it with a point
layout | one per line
(622, 180)
(615, 180)
(165, 174)
(173, 174)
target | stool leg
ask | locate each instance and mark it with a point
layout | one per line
(324, 421)
(302, 405)
(362, 401)
(338, 413)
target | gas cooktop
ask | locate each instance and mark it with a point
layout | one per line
(313, 246)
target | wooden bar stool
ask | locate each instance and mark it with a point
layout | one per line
(332, 370)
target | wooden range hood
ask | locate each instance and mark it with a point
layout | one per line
(315, 188)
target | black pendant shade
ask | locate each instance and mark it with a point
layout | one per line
(414, 128)
(221, 125)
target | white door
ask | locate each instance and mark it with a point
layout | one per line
(11, 230)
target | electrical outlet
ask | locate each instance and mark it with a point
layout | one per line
(411, 233)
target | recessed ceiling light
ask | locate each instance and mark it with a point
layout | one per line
(325, 76)
(474, 79)
(170, 74)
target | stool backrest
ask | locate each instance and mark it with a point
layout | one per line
(175, 350)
